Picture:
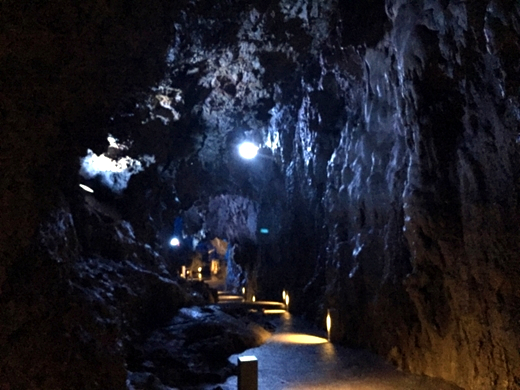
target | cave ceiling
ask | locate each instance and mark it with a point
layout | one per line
(233, 73)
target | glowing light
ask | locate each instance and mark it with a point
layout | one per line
(274, 311)
(199, 269)
(175, 242)
(243, 291)
(264, 231)
(287, 301)
(228, 298)
(88, 189)
(253, 299)
(329, 324)
(248, 150)
(283, 295)
(296, 338)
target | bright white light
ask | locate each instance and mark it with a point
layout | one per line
(248, 150)
(175, 242)
(88, 189)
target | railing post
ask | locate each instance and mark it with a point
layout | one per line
(247, 373)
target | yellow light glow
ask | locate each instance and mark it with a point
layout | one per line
(296, 338)
(253, 299)
(243, 291)
(199, 269)
(274, 311)
(283, 295)
(329, 324)
(228, 297)
(287, 301)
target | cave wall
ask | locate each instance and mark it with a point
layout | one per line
(418, 193)
(64, 68)
(390, 179)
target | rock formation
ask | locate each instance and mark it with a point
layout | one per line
(387, 176)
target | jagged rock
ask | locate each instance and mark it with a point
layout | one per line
(387, 179)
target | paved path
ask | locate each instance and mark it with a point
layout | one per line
(284, 364)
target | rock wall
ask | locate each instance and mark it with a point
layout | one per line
(64, 68)
(388, 174)
(418, 193)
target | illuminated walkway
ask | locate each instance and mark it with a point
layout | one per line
(297, 359)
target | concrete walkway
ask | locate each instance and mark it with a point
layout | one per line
(298, 358)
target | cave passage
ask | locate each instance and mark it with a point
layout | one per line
(380, 189)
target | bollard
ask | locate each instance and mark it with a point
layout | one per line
(247, 373)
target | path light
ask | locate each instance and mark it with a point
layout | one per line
(329, 324)
(247, 150)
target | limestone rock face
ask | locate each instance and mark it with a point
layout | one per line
(387, 176)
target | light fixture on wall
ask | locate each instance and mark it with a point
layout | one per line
(86, 188)
(329, 324)
(247, 150)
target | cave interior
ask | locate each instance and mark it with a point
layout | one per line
(385, 189)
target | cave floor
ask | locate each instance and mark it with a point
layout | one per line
(298, 357)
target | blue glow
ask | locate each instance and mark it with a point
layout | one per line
(264, 231)
(248, 150)
(175, 242)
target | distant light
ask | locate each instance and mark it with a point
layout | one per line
(296, 338)
(253, 299)
(199, 269)
(243, 291)
(284, 293)
(264, 231)
(248, 150)
(175, 242)
(274, 311)
(287, 301)
(88, 189)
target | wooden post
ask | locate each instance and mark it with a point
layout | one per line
(247, 373)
